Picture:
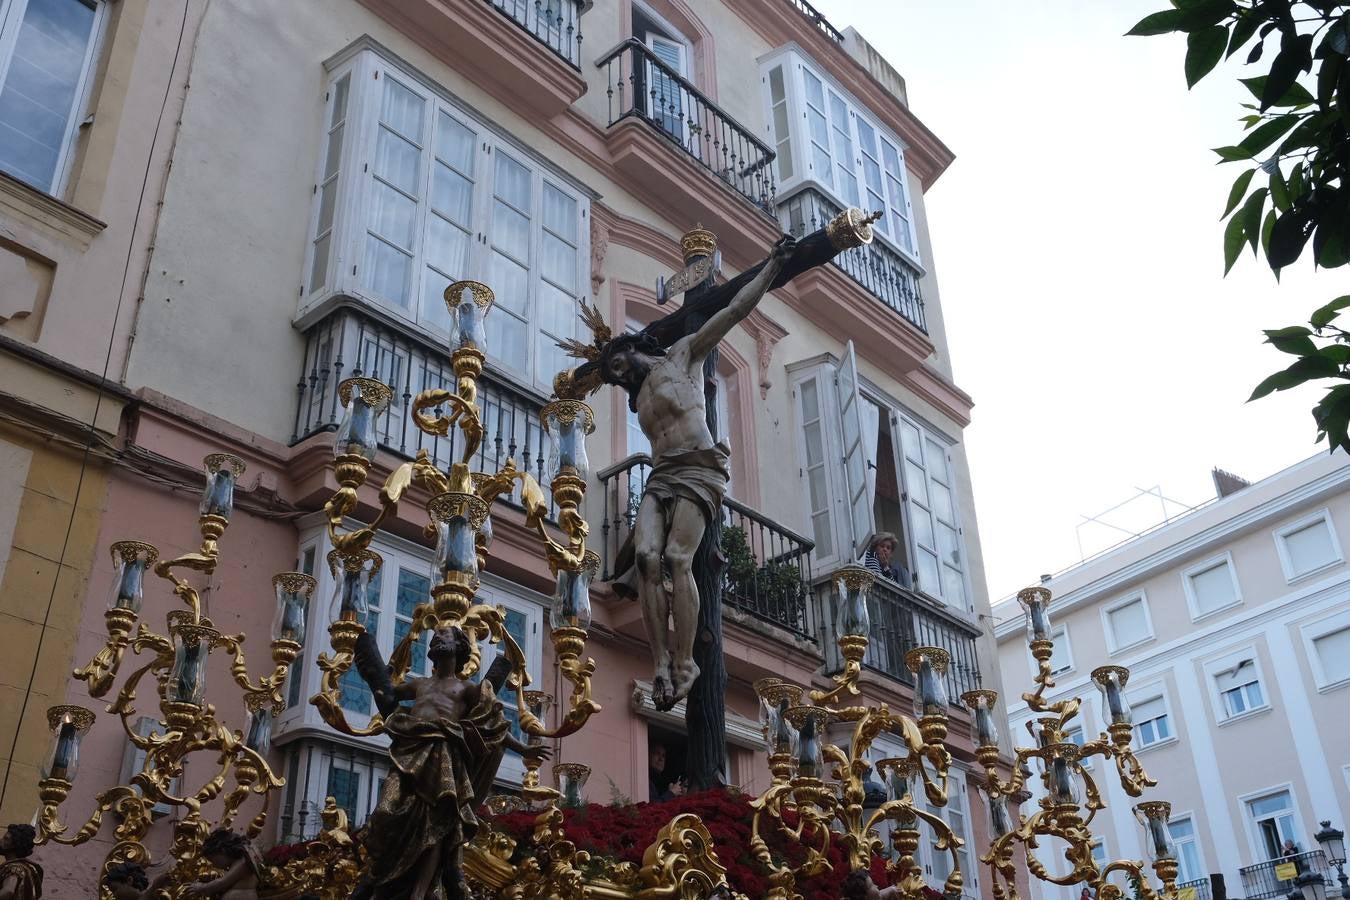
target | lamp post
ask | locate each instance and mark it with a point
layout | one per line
(1332, 842)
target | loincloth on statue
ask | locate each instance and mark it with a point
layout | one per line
(698, 476)
(26, 876)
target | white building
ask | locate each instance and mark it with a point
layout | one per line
(1234, 621)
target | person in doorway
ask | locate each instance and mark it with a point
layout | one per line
(879, 560)
(660, 786)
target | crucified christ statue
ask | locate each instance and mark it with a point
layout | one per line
(688, 479)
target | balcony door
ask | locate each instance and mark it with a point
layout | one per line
(665, 95)
(1272, 819)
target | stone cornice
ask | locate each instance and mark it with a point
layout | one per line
(779, 23)
(482, 42)
(936, 390)
(45, 212)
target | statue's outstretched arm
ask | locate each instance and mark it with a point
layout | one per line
(370, 666)
(716, 328)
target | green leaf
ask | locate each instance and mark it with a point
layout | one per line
(1316, 366)
(1337, 353)
(1296, 95)
(1238, 191)
(1295, 56)
(1328, 73)
(1279, 191)
(1204, 49)
(1243, 29)
(1326, 314)
(1255, 54)
(1266, 228)
(1164, 22)
(1269, 133)
(1338, 35)
(1280, 381)
(1331, 243)
(1292, 340)
(1251, 216)
(1232, 154)
(1291, 233)
(1233, 235)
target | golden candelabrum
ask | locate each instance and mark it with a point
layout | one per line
(821, 787)
(459, 510)
(188, 725)
(1065, 812)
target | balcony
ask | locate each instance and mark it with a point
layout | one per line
(670, 137)
(1200, 886)
(768, 573)
(1260, 881)
(817, 18)
(351, 341)
(525, 52)
(884, 273)
(554, 23)
(903, 620)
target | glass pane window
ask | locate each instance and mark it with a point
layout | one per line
(1151, 722)
(1128, 623)
(344, 786)
(1213, 588)
(43, 84)
(1059, 660)
(355, 693)
(818, 128)
(814, 468)
(1309, 548)
(1333, 652)
(778, 115)
(414, 588)
(940, 567)
(1187, 850)
(1240, 688)
(843, 150)
(327, 188)
(1273, 818)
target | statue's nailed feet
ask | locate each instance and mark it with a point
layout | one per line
(685, 674)
(663, 696)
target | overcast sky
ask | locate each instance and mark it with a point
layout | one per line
(1078, 250)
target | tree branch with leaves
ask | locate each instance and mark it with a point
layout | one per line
(1296, 138)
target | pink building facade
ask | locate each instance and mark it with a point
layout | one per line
(325, 169)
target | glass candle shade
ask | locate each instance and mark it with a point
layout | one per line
(571, 780)
(572, 595)
(469, 303)
(981, 704)
(293, 590)
(1000, 820)
(1110, 681)
(222, 471)
(68, 724)
(567, 423)
(852, 583)
(458, 516)
(259, 736)
(775, 698)
(810, 721)
(929, 665)
(539, 704)
(899, 774)
(187, 677)
(130, 560)
(1035, 602)
(1063, 779)
(1153, 816)
(363, 399)
(351, 583)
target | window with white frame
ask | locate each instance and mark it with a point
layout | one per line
(1211, 586)
(1061, 660)
(1328, 644)
(1127, 623)
(1272, 820)
(46, 63)
(1152, 724)
(1190, 866)
(843, 148)
(841, 519)
(957, 815)
(412, 193)
(1099, 855)
(1307, 545)
(1239, 688)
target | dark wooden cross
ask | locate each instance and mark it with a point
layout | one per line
(705, 707)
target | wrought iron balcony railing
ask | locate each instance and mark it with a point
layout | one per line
(639, 84)
(817, 18)
(1200, 886)
(351, 341)
(554, 23)
(768, 573)
(884, 273)
(901, 621)
(1261, 881)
